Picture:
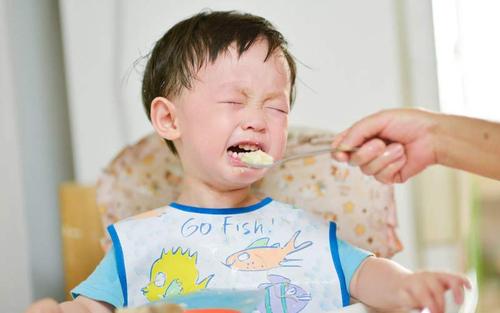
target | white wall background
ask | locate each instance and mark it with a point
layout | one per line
(35, 152)
(467, 53)
(13, 270)
(363, 56)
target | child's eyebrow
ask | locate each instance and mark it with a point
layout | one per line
(276, 94)
(237, 87)
(234, 87)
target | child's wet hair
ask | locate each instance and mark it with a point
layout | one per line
(188, 45)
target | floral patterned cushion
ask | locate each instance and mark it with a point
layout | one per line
(147, 175)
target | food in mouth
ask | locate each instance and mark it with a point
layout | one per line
(258, 157)
(250, 154)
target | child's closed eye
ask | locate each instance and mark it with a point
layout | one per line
(278, 108)
(235, 102)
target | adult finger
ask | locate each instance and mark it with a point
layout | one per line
(392, 173)
(392, 153)
(338, 139)
(339, 156)
(367, 152)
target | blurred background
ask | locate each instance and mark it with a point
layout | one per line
(70, 74)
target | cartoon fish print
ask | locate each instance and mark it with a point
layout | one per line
(174, 273)
(283, 297)
(259, 256)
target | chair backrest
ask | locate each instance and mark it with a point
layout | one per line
(147, 175)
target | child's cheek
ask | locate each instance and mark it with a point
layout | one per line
(280, 145)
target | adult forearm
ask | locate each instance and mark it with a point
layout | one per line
(469, 144)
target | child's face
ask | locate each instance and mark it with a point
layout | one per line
(234, 101)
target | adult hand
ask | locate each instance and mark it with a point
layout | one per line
(394, 145)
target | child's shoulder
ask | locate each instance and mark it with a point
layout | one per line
(279, 205)
(289, 207)
(146, 215)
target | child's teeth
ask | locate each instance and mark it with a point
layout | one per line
(248, 147)
(235, 155)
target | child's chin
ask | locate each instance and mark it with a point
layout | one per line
(245, 177)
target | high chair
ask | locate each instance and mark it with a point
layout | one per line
(147, 175)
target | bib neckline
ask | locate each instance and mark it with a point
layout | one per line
(221, 211)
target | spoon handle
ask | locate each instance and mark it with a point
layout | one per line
(301, 155)
(313, 152)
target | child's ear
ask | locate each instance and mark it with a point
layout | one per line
(164, 118)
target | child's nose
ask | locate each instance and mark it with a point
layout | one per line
(254, 119)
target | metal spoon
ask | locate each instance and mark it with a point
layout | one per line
(299, 156)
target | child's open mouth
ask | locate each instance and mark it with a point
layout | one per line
(249, 155)
(237, 151)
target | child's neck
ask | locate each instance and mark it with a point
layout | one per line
(196, 193)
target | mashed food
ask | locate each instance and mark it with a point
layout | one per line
(257, 158)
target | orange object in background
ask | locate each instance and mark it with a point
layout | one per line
(81, 232)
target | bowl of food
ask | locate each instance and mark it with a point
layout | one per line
(205, 301)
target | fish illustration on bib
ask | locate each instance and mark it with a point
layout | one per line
(260, 256)
(282, 296)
